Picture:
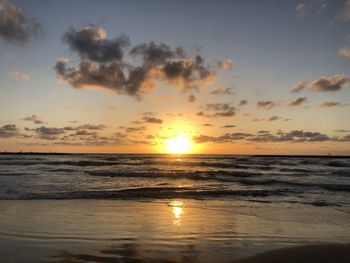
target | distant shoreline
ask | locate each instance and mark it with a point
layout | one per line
(250, 155)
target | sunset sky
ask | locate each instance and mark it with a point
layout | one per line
(242, 77)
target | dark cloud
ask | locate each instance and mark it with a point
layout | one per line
(297, 102)
(34, 118)
(135, 129)
(190, 73)
(226, 138)
(207, 125)
(299, 86)
(330, 104)
(265, 105)
(9, 130)
(292, 136)
(102, 64)
(228, 126)
(334, 83)
(274, 118)
(49, 133)
(243, 102)
(222, 91)
(214, 110)
(155, 120)
(55, 133)
(191, 98)
(263, 136)
(91, 43)
(91, 127)
(156, 54)
(15, 28)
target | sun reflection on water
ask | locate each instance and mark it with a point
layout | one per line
(177, 210)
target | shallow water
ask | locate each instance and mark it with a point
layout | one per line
(160, 231)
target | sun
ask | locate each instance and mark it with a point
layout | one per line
(180, 144)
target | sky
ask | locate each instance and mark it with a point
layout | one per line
(232, 77)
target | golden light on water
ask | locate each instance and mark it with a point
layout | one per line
(180, 144)
(177, 210)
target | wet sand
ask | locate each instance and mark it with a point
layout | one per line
(326, 253)
(171, 231)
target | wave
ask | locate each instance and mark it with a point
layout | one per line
(157, 192)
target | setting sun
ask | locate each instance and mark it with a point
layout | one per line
(180, 144)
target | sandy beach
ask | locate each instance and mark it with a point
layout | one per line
(170, 231)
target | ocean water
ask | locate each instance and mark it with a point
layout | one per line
(166, 208)
(307, 180)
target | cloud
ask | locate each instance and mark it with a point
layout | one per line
(299, 86)
(228, 126)
(191, 98)
(274, 118)
(342, 130)
(297, 102)
(153, 54)
(265, 105)
(214, 110)
(134, 129)
(222, 91)
(300, 9)
(15, 28)
(103, 64)
(94, 127)
(345, 12)
(334, 83)
(292, 136)
(207, 125)
(226, 138)
(19, 75)
(345, 52)
(55, 133)
(263, 136)
(49, 133)
(34, 118)
(330, 104)
(9, 130)
(152, 120)
(226, 64)
(243, 102)
(91, 43)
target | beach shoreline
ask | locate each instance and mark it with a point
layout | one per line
(165, 231)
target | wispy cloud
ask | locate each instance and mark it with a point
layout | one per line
(301, 9)
(214, 110)
(34, 118)
(297, 102)
(335, 83)
(265, 105)
(331, 104)
(222, 91)
(299, 86)
(344, 52)
(19, 75)
(226, 64)
(345, 12)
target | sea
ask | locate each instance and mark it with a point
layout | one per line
(168, 208)
(319, 181)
